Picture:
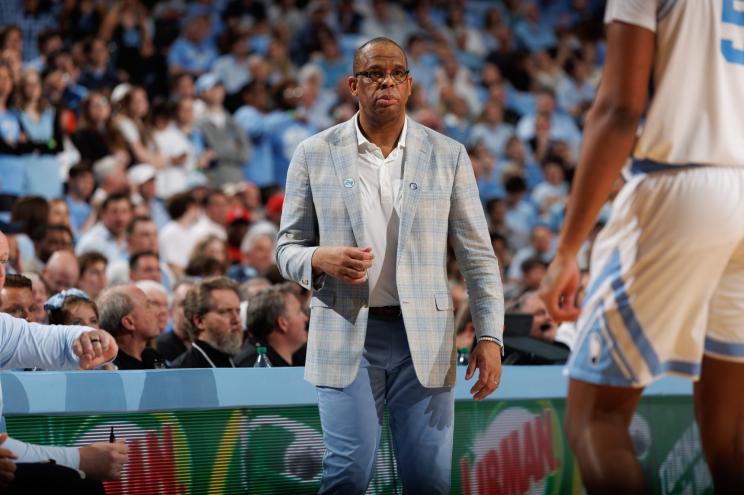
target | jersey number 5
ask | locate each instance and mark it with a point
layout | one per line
(730, 15)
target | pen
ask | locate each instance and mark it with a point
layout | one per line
(112, 438)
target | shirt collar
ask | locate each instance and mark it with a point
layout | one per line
(362, 141)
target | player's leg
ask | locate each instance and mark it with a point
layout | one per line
(718, 406)
(596, 424)
(720, 415)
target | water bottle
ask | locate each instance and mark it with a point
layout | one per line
(262, 361)
(463, 354)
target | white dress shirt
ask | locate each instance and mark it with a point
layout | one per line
(380, 179)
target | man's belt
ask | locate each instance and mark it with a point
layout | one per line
(385, 312)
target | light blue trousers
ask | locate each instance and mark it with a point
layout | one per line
(421, 420)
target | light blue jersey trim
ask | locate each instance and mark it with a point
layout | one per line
(724, 348)
(621, 374)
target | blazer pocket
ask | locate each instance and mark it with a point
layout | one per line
(443, 301)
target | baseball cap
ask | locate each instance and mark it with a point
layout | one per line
(237, 214)
(275, 203)
(206, 82)
(141, 173)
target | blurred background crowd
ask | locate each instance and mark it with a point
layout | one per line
(144, 146)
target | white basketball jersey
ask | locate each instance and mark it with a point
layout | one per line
(696, 107)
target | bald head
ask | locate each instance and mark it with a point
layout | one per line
(359, 53)
(61, 271)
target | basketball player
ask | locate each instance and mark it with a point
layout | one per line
(667, 288)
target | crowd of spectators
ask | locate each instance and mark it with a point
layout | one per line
(144, 147)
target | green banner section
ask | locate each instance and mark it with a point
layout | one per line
(501, 447)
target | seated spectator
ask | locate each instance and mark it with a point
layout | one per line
(202, 266)
(141, 236)
(542, 247)
(144, 265)
(256, 256)
(80, 185)
(17, 298)
(212, 311)
(98, 74)
(531, 32)
(108, 236)
(41, 293)
(128, 315)
(543, 327)
(521, 215)
(111, 177)
(41, 126)
(176, 342)
(90, 136)
(72, 307)
(275, 318)
(553, 191)
(491, 129)
(134, 136)
(59, 213)
(533, 271)
(213, 217)
(212, 247)
(158, 298)
(193, 52)
(61, 272)
(48, 239)
(229, 142)
(142, 179)
(176, 239)
(92, 273)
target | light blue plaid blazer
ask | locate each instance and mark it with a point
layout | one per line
(439, 200)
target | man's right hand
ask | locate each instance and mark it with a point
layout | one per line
(104, 461)
(7, 466)
(349, 264)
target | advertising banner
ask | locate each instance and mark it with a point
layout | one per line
(512, 447)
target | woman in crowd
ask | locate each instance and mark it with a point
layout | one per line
(40, 125)
(90, 138)
(135, 136)
(12, 177)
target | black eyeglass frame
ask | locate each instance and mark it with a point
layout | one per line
(367, 74)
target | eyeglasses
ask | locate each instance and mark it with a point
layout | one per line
(377, 76)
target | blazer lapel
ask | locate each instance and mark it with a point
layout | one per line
(343, 154)
(416, 165)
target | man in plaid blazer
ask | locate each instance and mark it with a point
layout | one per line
(369, 207)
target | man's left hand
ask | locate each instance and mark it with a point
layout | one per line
(487, 358)
(95, 348)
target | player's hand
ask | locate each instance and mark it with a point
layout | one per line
(7, 466)
(349, 264)
(559, 287)
(104, 461)
(486, 356)
(95, 348)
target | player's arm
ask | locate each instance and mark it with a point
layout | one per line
(609, 134)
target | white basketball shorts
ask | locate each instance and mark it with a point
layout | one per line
(667, 279)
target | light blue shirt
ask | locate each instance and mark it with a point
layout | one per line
(98, 238)
(26, 345)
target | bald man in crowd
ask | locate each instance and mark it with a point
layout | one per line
(62, 271)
